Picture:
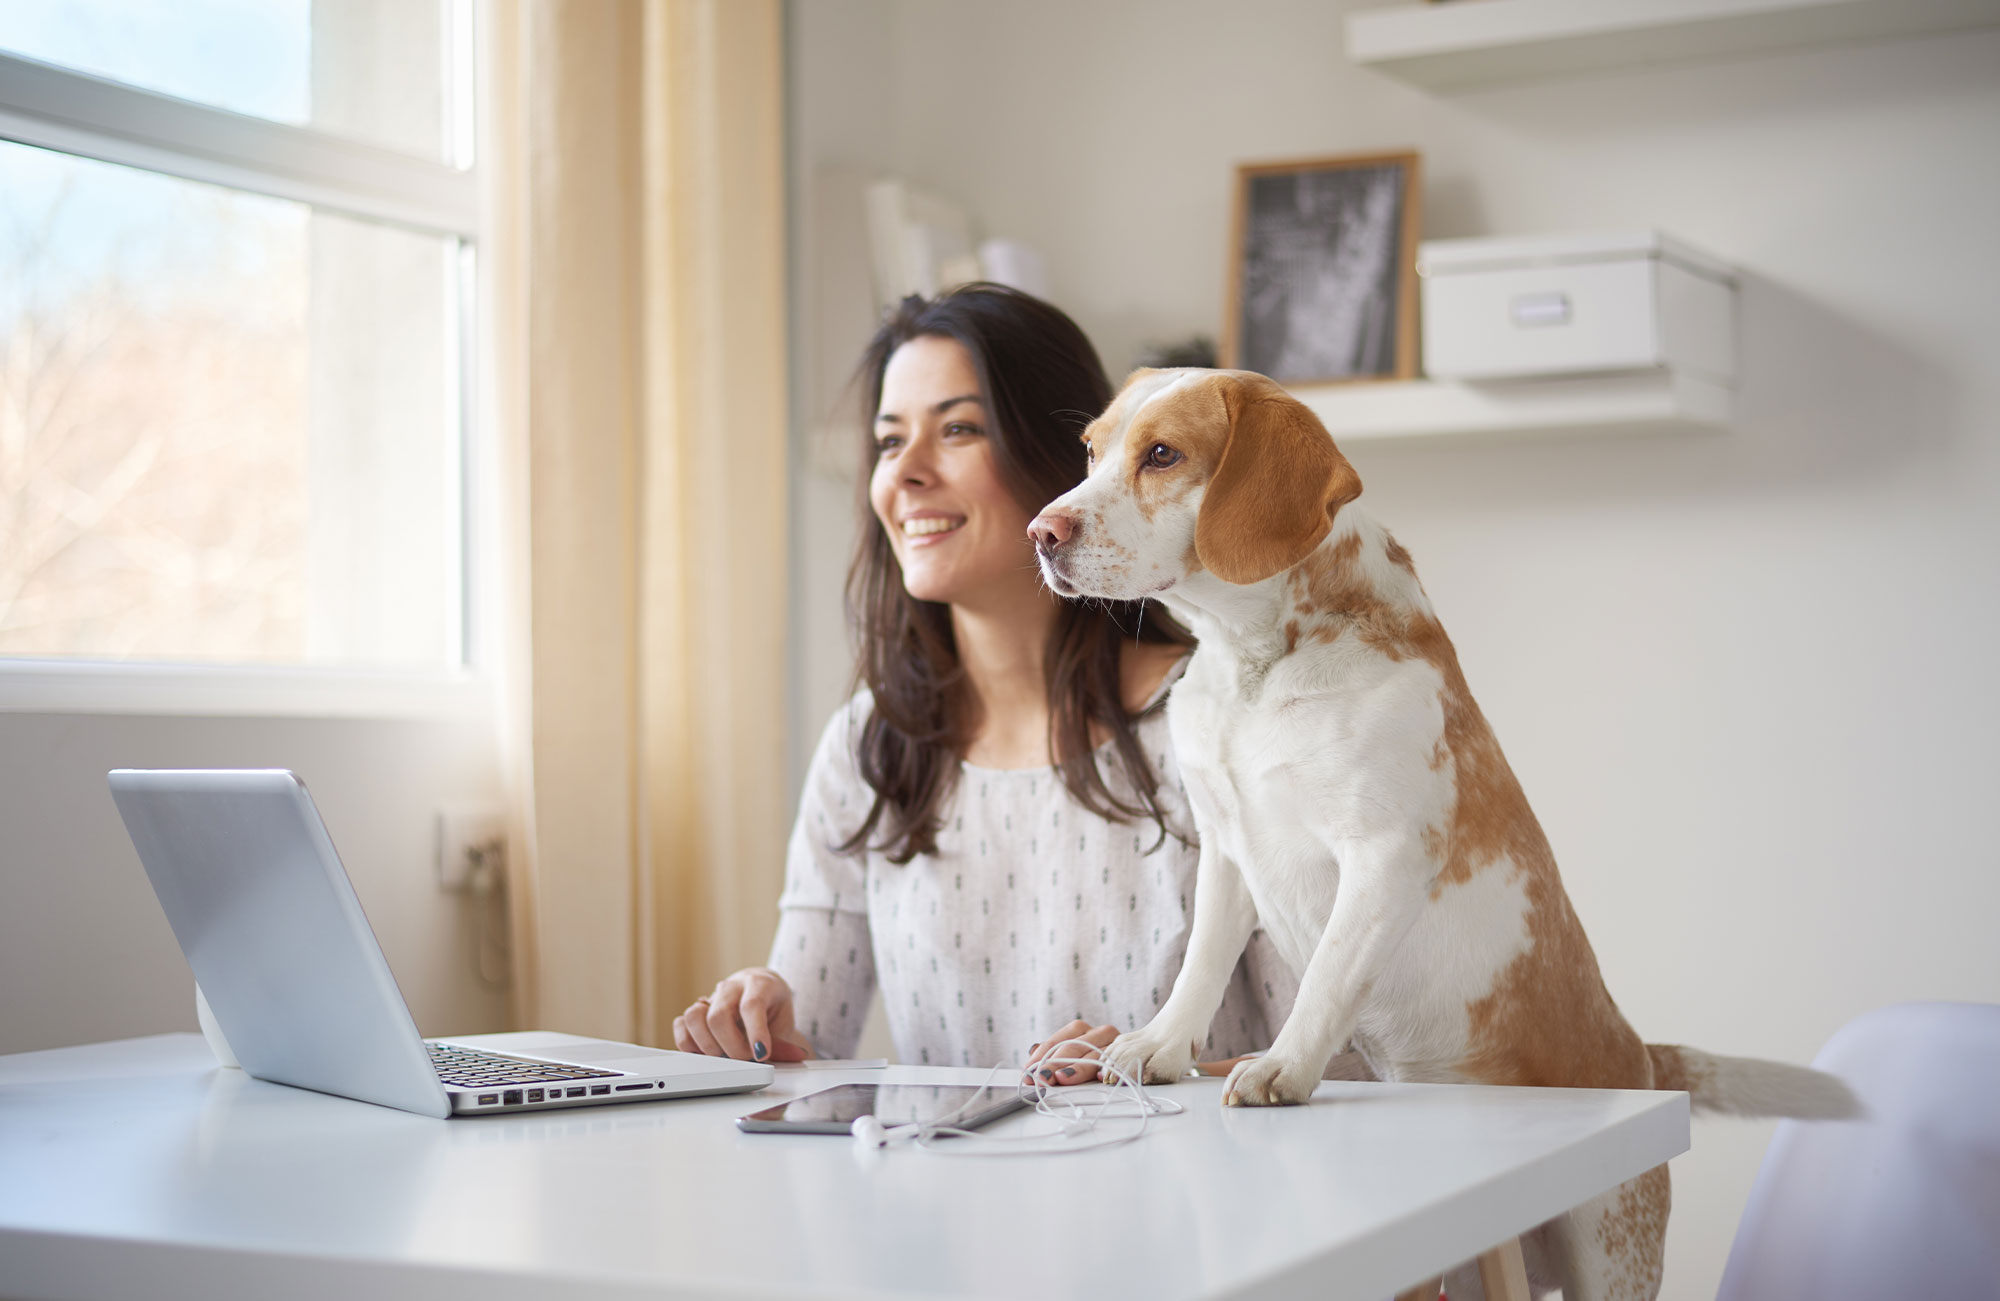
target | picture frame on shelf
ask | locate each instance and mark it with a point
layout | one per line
(1322, 281)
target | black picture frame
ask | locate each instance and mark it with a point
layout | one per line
(1323, 269)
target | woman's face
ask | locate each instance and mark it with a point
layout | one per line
(957, 532)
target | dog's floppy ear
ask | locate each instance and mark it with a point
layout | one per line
(1276, 487)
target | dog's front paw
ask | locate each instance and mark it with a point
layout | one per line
(1160, 1057)
(1269, 1081)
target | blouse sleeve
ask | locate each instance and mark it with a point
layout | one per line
(826, 958)
(823, 947)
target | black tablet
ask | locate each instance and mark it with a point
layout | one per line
(834, 1110)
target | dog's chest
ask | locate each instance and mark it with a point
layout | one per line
(1290, 768)
(1237, 764)
(1251, 773)
(1263, 748)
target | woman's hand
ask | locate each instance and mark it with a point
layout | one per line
(1097, 1038)
(748, 1017)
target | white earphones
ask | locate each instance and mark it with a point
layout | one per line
(868, 1131)
(1077, 1109)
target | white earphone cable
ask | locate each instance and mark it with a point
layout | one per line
(1079, 1108)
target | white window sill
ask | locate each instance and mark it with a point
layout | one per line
(81, 687)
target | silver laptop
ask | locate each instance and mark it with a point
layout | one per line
(282, 951)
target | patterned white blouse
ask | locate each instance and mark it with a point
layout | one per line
(1033, 911)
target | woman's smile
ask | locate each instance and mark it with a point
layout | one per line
(923, 528)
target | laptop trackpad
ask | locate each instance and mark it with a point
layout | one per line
(594, 1052)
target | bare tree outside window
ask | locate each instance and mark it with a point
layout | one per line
(226, 428)
(232, 426)
(152, 416)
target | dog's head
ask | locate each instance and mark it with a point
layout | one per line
(1190, 471)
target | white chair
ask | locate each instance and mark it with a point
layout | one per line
(1903, 1203)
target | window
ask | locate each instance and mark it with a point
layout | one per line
(378, 71)
(236, 257)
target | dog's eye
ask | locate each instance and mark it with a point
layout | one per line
(1161, 456)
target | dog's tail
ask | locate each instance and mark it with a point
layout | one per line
(1746, 1086)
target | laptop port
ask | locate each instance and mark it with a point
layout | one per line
(576, 1093)
(534, 1095)
(513, 1097)
(488, 1099)
(598, 1090)
(627, 1088)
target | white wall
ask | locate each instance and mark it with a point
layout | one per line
(840, 122)
(1746, 679)
(86, 954)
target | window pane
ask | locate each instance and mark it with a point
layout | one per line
(228, 425)
(374, 70)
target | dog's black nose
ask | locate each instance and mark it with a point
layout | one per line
(1050, 530)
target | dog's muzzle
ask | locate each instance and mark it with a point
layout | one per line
(1052, 532)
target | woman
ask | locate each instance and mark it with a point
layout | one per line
(993, 828)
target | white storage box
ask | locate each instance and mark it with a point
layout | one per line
(1575, 305)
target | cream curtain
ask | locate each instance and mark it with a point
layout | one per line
(634, 262)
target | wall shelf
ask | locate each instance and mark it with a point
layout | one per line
(1648, 402)
(1466, 43)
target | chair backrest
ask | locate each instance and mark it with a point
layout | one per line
(1904, 1203)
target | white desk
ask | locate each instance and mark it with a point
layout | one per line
(140, 1169)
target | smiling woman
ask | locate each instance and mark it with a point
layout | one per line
(954, 527)
(992, 828)
(978, 400)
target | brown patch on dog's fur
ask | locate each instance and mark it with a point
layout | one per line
(1332, 589)
(1549, 1019)
(1634, 1233)
(1275, 483)
(1195, 423)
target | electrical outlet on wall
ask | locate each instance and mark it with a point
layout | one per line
(472, 848)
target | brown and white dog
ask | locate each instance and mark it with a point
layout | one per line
(1351, 798)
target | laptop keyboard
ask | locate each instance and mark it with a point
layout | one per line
(469, 1068)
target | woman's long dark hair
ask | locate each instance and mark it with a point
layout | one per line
(1042, 383)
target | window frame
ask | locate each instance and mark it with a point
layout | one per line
(78, 113)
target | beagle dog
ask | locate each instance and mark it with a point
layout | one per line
(1352, 799)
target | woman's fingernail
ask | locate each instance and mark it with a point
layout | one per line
(1034, 1048)
(1048, 1075)
(1067, 1071)
(760, 1051)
